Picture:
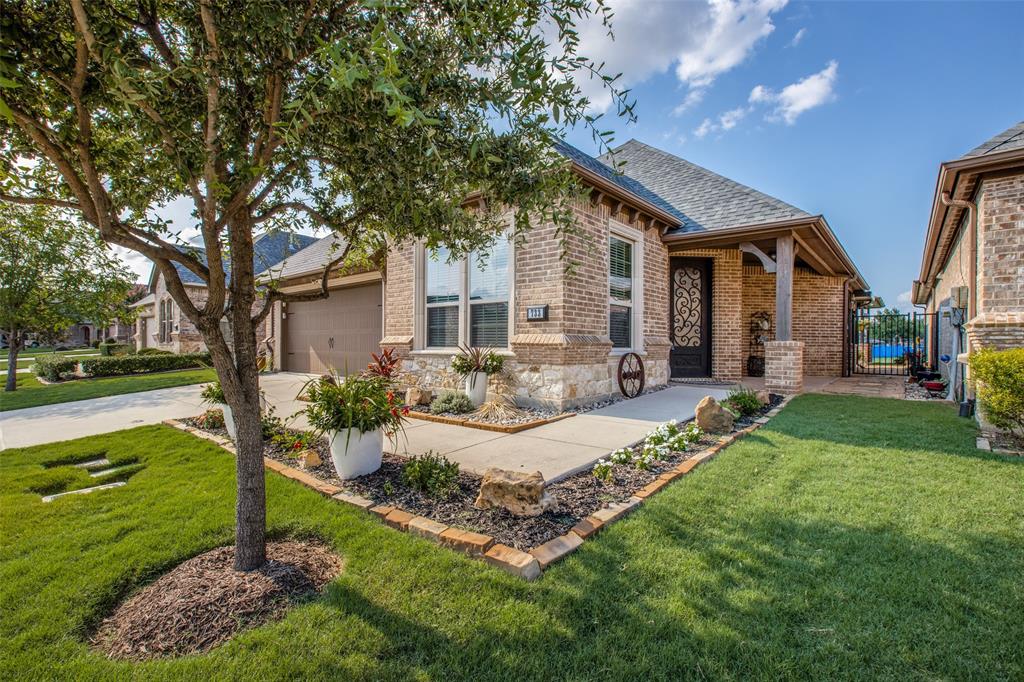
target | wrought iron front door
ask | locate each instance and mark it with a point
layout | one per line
(690, 318)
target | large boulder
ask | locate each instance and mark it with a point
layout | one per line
(415, 395)
(521, 493)
(712, 417)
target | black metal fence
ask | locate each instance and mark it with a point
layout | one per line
(889, 342)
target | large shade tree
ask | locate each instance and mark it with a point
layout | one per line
(380, 120)
(54, 272)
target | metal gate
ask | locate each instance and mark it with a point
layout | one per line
(888, 342)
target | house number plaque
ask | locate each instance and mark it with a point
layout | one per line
(537, 313)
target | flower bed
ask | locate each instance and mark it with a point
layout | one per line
(578, 495)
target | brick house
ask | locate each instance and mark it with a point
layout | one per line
(673, 262)
(972, 269)
(160, 323)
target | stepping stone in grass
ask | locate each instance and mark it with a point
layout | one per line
(94, 464)
(106, 472)
(84, 491)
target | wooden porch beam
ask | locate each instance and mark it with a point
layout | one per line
(784, 262)
(596, 197)
(812, 257)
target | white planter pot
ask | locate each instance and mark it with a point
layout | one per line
(229, 420)
(355, 454)
(476, 388)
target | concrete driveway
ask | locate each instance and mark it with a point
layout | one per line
(63, 421)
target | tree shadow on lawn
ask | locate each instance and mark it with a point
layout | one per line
(671, 596)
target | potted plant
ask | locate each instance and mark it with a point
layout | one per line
(355, 413)
(213, 395)
(475, 365)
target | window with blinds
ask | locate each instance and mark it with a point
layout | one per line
(620, 292)
(488, 296)
(443, 285)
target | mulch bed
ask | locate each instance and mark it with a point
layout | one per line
(578, 495)
(203, 602)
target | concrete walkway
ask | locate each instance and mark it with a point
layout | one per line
(561, 448)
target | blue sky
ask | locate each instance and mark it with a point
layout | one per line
(892, 90)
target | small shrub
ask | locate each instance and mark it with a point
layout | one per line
(294, 442)
(271, 424)
(622, 456)
(361, 403)
(645, 460)
(669, 437)
(154, 351)
(743, 401)
(384, 365)
(110, 348)
(213, 394)
(54, 367)
(603, 470)
(95, 343)
(142, 364)
(998, 379)
(431, 474)
(454, 402)
(211, 419)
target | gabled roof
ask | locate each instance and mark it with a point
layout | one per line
(1011, 138)
(313, 258)
(269, 249)
(624, 182)
(708, 200)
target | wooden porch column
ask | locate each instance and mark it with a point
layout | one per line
(784, 259)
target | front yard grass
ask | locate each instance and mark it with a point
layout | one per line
(851, 538)
(32, 393)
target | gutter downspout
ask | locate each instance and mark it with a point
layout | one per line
(972, 279)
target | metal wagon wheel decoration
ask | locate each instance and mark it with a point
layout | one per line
(631, 375)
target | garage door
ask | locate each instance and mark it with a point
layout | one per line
(336, 333)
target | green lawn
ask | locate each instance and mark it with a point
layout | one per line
(22, 362)
(31, 393)
(852, 538)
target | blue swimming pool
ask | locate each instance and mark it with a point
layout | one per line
(890, 350)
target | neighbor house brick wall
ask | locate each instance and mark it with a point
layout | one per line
(728, 337)
(819, 315)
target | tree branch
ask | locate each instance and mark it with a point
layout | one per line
(292, 206)
(38, 201)
(275, 295)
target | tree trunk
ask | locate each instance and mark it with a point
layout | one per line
(13, 348)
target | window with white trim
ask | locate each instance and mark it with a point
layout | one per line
(620, 292)
(467, 301)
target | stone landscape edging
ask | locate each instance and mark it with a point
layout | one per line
(485, 426)
(527, 565)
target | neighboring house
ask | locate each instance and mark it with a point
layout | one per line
(160, 323)
(972, 270)
(673, 262)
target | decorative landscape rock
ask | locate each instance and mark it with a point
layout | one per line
(521, 493)
(309, 459)
(763, 397)
(712, 417)
(418, 396)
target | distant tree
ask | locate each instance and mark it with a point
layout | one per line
(383, 121)
(54, 272)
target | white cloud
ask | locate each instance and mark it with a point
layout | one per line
(796, 98)
(701, 40)
(904, 297)
(729, 119)
(798, 37)
(704, 128)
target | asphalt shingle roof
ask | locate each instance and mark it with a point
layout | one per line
(708, 200)
(314, 257)
(625, 181)
(269, 249)
(1011, 138)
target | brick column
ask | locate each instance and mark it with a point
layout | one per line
(784, 367)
